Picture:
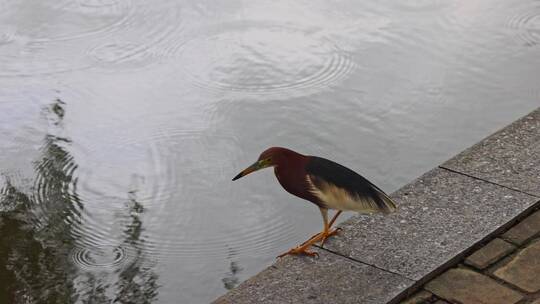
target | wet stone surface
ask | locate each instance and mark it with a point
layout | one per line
(440, 215)
(327, 279)
(510, 157)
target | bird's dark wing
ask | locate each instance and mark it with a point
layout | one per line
(339, 187)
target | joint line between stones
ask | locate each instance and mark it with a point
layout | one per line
(364, 263)
(489, 182)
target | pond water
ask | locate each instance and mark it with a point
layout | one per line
(122, 123)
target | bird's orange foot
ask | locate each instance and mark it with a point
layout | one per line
(323, 236)
(302, 249)
(329, 234)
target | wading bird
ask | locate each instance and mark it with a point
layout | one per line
(326, 184)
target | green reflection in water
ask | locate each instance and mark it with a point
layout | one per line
(37, 235)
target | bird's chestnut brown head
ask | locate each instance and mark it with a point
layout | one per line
(271, 157)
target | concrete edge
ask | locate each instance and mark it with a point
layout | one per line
(466, 252)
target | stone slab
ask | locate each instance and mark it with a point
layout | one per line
(440, 215)
(510, 157)
(469, 287)
(489, 254)
(327, 279)
(524, 269)
(525, 230)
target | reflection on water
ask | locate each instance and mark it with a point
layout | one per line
(123, 121)
(231, 279)
(36, 232)
(41, 261)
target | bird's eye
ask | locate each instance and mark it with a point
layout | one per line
(266, 162)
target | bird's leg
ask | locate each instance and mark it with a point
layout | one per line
(324, 213)
(321, 236)
(335, 218)
(327, 232)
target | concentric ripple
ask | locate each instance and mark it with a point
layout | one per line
(422, 5)
(104, 258)
(177, 177)
(264, 60)
(527, 25)
(90, 19)
(7, 36)
(148, 36)
(84, 34)
(118, 54)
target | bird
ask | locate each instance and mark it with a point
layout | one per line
(327, 184)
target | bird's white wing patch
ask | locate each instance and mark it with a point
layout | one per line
(335, 197)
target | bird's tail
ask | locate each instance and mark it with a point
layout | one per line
(384, 203)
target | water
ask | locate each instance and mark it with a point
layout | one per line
(123, 121)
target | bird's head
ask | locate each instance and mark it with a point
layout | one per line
(271, 157)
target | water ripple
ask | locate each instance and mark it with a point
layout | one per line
(160, 168)
(119, 54)
(422, 5)
(527, 26)
(7, 36)
(136, 48)
(262, 60)
(248, 240)
(103, 258)
(91, 17)
(104, 34)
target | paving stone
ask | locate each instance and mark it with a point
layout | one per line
(510, 157)
(489, 254)
(327, 279)
(525, 230)
(420, 297)
(469, 287)
(439, 216)
(524, 269)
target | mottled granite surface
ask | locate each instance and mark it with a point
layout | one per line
(327, 279)
(510, 157)
(440, 215)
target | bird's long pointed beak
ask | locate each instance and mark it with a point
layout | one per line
(256, 166)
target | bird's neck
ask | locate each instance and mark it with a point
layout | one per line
(291, 175)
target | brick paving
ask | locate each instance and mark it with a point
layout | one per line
(490, 253)
(505, 270)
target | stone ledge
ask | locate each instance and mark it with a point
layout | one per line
(442, 216)
(510, 157)
(327, 279)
